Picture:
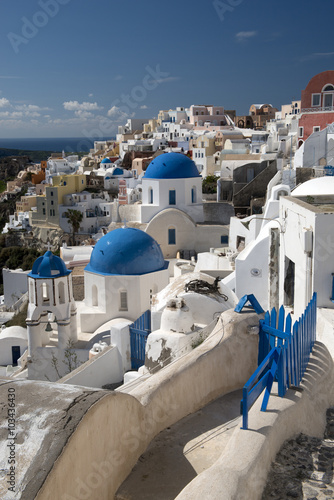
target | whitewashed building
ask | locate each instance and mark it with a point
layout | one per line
(126, 268)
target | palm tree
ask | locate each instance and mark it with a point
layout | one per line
(74, 218)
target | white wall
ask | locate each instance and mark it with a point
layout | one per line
(189, 236)
(108, 288)
(15, 284)
(104, 368)
(251, 269)
(313, 272)
(6, 357)
(183, 190)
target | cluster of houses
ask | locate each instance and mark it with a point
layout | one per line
(243, 235)
(165, 259)
(152, 224)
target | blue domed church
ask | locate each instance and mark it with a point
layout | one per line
(172, 181)
(172, 208)
(126, 268)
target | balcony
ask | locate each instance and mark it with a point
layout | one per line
(318, 109)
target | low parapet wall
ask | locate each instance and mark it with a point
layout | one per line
(241, 472)
(117, 429)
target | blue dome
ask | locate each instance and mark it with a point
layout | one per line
(118, 171)
(126, 251)
(171, 166)
(49, 266)
(106, 160)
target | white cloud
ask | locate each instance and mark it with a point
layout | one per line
(245, 35)
(118, 115)
(167, 79)
(118, 77)
(143, 107)
(83, 106)
(81, 113)
(4, 102)
(90, 95)
(317, 55)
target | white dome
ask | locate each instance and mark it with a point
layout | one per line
(315, 187)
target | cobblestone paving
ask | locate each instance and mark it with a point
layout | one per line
(303, 468)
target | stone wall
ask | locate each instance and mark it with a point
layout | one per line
(218, 212)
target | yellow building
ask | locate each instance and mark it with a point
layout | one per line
(47, 212)
(26, 203)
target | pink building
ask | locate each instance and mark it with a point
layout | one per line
(317, 105)
(205, 114)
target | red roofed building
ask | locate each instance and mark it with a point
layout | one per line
(317, 105)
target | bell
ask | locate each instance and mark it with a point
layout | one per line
(48, 327)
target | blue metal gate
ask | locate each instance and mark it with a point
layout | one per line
(284, 352)
(139, 331)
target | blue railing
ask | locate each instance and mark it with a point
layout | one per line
(289, 349)
(262, 378)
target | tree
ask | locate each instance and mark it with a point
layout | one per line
(74, 218)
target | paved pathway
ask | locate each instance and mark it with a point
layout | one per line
(180, 452)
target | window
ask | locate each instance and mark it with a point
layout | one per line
(171, 236)
(328, 100)
(51, 202)
(240, 243)
(193, 195)
(316, 99)
(45, 292)
(61, 293)
(289, 283)
(328, 88)
(123, 300)
(150, 195)
(43, 211)
(31, 293)
(51, 193)
(95, 301)
(301, 132)
(316, 129)
(224, 239)
(172, 197)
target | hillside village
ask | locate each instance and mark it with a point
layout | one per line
(133, 311)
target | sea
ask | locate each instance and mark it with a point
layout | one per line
(57, 144)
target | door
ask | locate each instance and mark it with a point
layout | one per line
(328, 100)
(16, 354)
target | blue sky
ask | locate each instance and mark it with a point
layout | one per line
(72, 68)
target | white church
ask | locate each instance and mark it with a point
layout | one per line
(172, 210)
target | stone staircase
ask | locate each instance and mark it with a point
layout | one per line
(303, 468)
